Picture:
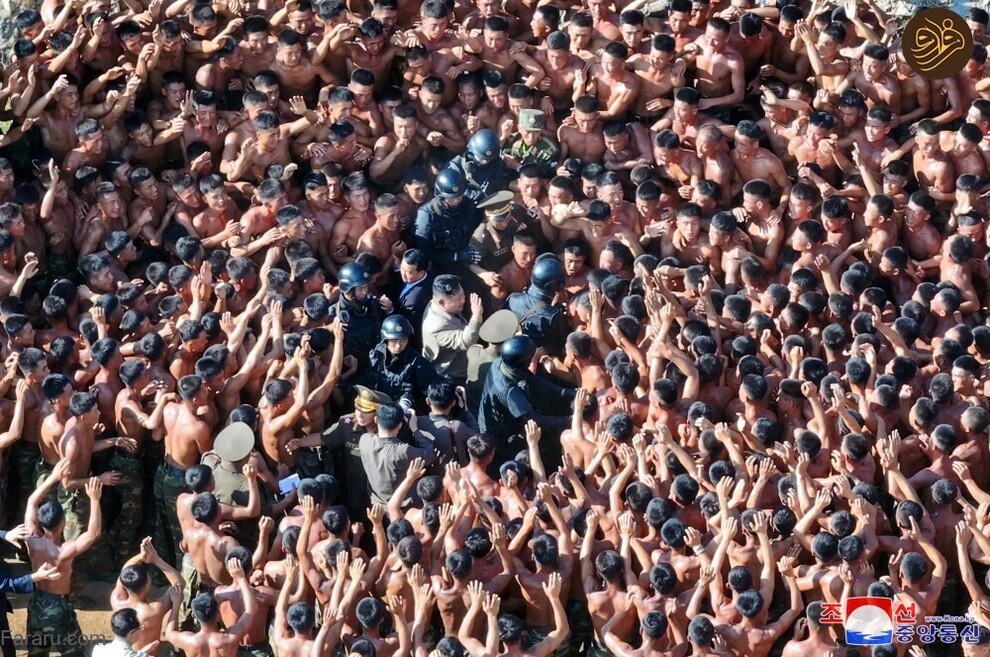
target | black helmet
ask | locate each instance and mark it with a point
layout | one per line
(449, 184)
(483, 146)
(396, 327)
(518, 351)
(548, 274)
(352, 275)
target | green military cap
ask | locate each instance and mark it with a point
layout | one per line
(531, 120)
(498, 328)
(235, 442)
(496, 204)
(369, 400)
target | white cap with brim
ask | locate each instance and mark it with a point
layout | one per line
(235, 442)
(498, 328)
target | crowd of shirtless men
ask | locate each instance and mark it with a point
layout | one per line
(778, 326)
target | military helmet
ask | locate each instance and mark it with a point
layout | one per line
(449, 184)
(483, 146)
(518, 351)
(548, 274)
(396, 327)
(352, 275)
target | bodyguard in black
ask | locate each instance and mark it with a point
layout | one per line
(481, 166)
(513, 395)
(359, 310)
(444, 226)
(398, 370)
(538, 317)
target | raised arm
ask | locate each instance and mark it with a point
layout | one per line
(40, 493)
(417, 468)
(94, 490)
(964, 536)
(552, 588)
(240, 629)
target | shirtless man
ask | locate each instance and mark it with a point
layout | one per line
(596, 224)
(685, 117)
(432, 32)
(583, 139)
(717, 162)
(58, 125)
(932, 165)
(720, 74)
(27, 450)
(257, 48)
(753, 161)
(550, 555)
(356, 220)
(210, 641)
(747, 636)
(147, 146)
(659, 75)
(187, 438)
(383, 238)
(615, 87)
(395, 152)
(134, 423)
(500, 53)
(51, 618)
(683, 168)
(268, 146)
(371, 50)
(830, 67)
(92, 147)
(203, 123)
(436, 125)
(77, 446)
(689, 243)
(817, 145)
(561, 67)
(679, 25)
(876, 142)
(133, 588)
(818, 643)
(58, 391)
(281, 411)
(874, 80)
(296, 72)
(205, 547)
(761, 223)
(219, 221)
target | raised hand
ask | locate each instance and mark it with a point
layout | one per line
(235, 568)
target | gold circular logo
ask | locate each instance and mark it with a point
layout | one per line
(937, 43)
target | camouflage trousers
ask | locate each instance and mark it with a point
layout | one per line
(582, 636)
(52, 626)
(124, 531)
(193, 587)
(263, 649)
(75, 504)
(24, 458)
(41, 472)
(170, 482)
(533, 636)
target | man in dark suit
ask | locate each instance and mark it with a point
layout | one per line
(22, 584)
(417, 290)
